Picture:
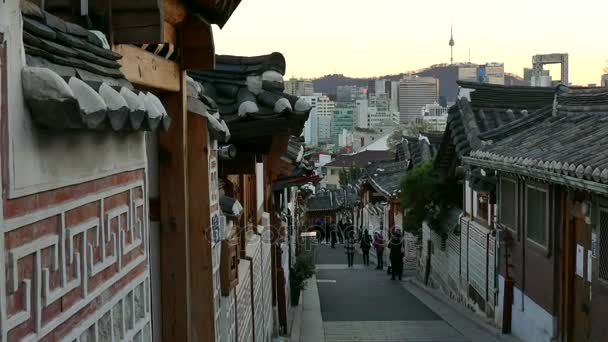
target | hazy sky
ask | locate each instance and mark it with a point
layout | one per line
(372, 38)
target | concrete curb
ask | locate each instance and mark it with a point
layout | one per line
(477, 320)
(308, 327)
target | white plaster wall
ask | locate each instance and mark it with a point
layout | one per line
(42, 159)
(530, 323)
(398, 219)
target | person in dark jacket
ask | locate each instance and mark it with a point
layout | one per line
(366, 245)
(334, 235)
(379, 247)
(396, 255)
(349, 247)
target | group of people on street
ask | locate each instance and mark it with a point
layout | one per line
(334, 233)
(395, 245)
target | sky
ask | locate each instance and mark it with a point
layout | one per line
(363, 38)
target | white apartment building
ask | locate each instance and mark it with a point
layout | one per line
(317, 129)
(375, 112)
(435, 116)
(414, 93)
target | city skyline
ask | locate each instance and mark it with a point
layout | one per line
(402, 41)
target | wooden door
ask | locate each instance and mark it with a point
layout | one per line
(581, 286)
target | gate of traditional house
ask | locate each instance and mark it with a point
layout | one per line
(244, 315)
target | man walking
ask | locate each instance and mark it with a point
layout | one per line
(366, 244)
(349, 247)
(379, 247)
(396, 255)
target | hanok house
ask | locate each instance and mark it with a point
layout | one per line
(552, 182)
(462, 263)
(331, 171)
(247, 101)
(84, 191)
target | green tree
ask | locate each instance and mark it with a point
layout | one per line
(426, 199)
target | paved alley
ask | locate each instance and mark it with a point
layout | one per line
(363, 304)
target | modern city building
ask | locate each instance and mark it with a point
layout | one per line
(491, 73)
(604, 82)
(324, 111)
(414, 93)
(299, 87)
(311, 128)
(345, 138)
(435, 117)
(342, 119)
(350, 93)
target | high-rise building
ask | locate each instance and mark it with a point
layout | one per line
(604, 82)
(317, 129)
(299, 87)
(414, 93)
(350, 93)
(492, 73)
(342, 120)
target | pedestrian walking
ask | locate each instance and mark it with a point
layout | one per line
(349, 247)
(366, 245)
(341, 231)
(396, 255)
(334, 235)
(379, 247)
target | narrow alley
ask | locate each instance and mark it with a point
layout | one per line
(364, 304)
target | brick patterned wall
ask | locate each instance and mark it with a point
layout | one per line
(77, 262)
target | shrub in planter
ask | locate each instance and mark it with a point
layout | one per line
(302, 269)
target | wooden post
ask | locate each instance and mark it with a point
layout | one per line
(202, 312)
(507, 306)
(173, 151)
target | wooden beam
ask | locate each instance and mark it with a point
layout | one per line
(137, 27)
(198, 47)
(174, 219)
(169, 34)
(202, 315)
(174, 11)
(148, 70)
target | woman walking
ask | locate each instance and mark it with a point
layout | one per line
(379, 247)
(349, 246)
(396, 255)
(366, 245)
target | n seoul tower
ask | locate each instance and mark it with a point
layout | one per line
(451, 46)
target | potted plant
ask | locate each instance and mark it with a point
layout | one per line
(302, 269)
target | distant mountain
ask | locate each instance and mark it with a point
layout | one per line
(447, 75)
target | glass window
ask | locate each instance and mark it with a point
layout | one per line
(536, 215)
(508, 203)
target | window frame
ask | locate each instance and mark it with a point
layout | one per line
(514, 230)
(529, 241)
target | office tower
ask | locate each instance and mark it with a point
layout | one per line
(414, 93)
(299, 87)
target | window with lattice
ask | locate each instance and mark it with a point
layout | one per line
(537, 216)
(508, 203)
(603, 245)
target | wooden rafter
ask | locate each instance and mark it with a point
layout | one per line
(148, 70)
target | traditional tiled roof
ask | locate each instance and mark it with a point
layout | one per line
(490, 107)
(200, 104)
(323, 202)
(73, 80)
(231, 207)
(215, 12)
(361, 159)
(248, 92)
(564, 145)
(386, 177)
(295, 151)
(423, 147)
